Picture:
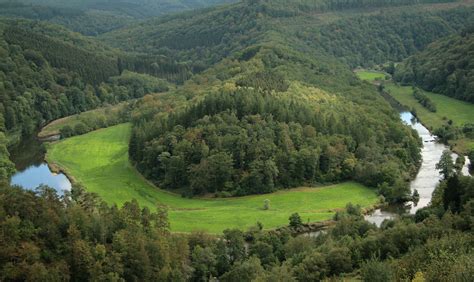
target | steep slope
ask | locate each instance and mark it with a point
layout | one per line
(445, 67)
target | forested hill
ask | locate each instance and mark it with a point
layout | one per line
(92, 61)
(47, 72)
(357, 37)
(273, 110)
(132, 8)
(445, 66)
(91, 22)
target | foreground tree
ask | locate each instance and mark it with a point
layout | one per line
(446, 165)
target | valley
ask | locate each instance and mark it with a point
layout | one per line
(222, 140)
(99, 161)
(449, 110)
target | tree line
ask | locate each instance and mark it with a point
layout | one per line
(424, 100)
(79, 238)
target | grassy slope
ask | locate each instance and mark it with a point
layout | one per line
(99, 161)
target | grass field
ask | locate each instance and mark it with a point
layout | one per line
(370, 75)
(447, 109)
(99, 161)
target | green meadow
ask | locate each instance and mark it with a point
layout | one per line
(99, 161)
(459, 112)
(370, 75)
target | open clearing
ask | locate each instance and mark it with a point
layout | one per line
(99, 160)
(370, 75)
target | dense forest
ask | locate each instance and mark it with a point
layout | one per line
(92, 22)
(246, 142)
(260, 97)
(59, 10)
(46, 237)
(358, 39)
(45, 78)
(249, 133)
(445, 66)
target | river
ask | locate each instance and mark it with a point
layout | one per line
(32, 170)
(427, 178)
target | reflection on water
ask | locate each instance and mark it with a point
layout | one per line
(30, 151)
(32, 171)
(34, 176)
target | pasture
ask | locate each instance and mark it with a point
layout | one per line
(99, 161)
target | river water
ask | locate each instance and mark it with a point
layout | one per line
(32, 170)
(427, 178)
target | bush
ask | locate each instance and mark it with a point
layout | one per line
(81, 128)
(424, 100)
(376, 271)
(295, 220)
(266, 204)
(66, 131)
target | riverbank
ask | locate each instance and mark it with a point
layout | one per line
(449, 110)
(99, 161)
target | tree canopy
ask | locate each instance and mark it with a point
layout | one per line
(445, 66)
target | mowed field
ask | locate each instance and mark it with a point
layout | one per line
(99, 161)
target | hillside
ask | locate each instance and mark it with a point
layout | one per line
(132, 8)
(88, 22)
(445, 67)
(294, 78)
(306, 119)
(97, 17)
(48, 72)
(249, 100)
